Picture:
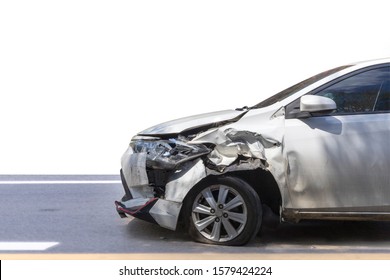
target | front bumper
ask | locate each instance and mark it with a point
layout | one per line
(151, 209)
(138, 208)
(152, 196)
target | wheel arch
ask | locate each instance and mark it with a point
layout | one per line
(262, 181)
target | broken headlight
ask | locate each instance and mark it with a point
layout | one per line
(168, 154)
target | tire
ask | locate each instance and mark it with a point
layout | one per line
(223, 211)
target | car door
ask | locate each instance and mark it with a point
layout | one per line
(341, 161)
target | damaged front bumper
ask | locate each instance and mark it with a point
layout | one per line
(151, 209)
(155, 195)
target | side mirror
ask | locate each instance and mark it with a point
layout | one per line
(317, 104)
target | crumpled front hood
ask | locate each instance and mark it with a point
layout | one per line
(188, 123)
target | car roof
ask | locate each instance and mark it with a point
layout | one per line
(372, 62)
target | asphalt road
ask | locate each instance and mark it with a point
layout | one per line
(76, 214)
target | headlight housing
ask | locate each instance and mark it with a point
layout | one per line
(167, 154)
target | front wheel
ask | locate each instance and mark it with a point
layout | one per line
(224, 211)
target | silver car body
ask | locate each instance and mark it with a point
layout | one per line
(325, 167)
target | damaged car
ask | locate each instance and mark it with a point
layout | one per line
(317, 150)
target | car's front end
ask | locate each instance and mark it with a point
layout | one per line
(162, 164)
(150, 167)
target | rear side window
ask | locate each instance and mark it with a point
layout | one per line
(362, 93)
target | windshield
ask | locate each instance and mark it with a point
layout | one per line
(295, 88)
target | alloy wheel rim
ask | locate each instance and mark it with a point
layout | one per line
(219, 213)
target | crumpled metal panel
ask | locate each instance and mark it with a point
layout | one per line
(248, 164)
(235, 144)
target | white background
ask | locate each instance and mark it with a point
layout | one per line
(281, 270)
(78, 78)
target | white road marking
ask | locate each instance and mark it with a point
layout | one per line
(26, 246)
(58, 182)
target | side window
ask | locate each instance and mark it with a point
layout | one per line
(361, 93)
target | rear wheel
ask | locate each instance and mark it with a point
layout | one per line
(223, 210)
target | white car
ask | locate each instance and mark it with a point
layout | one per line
(317, 150)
